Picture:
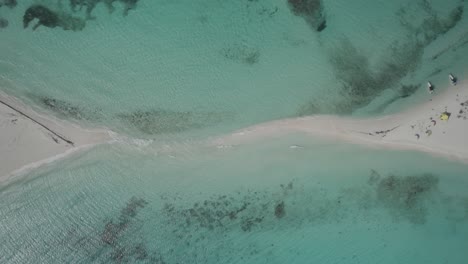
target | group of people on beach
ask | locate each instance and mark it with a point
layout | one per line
(453, 81)
(445, 115)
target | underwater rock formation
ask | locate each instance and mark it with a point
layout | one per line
(280, 210)
(51, 19)
(312, 12)
(46, 17)
(91, 4)
(113, 232)
(361, 82)
(69, 22)
(241, 53)
(68, 109)
(8, 3)
(191, 223)
(3, 23)
(432, 26)
(167, 121)
(118, 241)
(218, 213)
(160, 121)
(128, 5)
(407, 90)
(405, 196)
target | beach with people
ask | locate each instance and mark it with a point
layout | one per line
(259, 132)
(437, 126)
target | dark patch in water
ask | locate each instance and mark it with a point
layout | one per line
(280, 210)
(249, 222)
(203, 227)
(8, 3)
(167, 121)
(407, 90)
(68, 109)
(46, 17)
(121, 250)
(51, 19)
(307, 109)
(209, 214)
(91, 4)
(241, 53)
(322, 26)
(112, 231)
(311, 10)
(360, 84)
(405, 196)
(432, 26)
(3, 23)
(217, 214)
(374, 178)
(119, 241)
(131, 209)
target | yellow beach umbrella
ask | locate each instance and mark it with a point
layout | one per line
(445, 116)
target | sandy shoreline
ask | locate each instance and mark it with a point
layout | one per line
(419, 128)
(29, 139)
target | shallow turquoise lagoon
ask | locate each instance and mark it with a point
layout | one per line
(179, 71)
(213, 66)
(264, 203)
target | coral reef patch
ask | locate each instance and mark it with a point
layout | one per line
(405, 196)
(51, 19)
(8, 3)
(163, 121)
(241, 53)
(311, 10)
(70, 110)
(77, 5)
(3, 23)
(361, 81)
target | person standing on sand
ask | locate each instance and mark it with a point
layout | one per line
(430, 87)
(453, 79)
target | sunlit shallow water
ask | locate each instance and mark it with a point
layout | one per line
(190, 66)
(175, 71)
(264, 203)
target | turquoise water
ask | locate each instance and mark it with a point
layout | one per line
(220, 65)
(177, 71)
(239, 206)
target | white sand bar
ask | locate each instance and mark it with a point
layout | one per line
(29, 139)
(419, 128)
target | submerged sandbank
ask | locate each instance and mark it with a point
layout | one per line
(420, 128)
(29, 139)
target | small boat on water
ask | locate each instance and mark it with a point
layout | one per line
(453, 79)
(430, 87)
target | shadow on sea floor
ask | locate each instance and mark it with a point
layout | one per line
(147, 122)
(360, 82)
(222, 227)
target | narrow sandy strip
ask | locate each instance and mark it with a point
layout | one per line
(29, 139)
(419, 128)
